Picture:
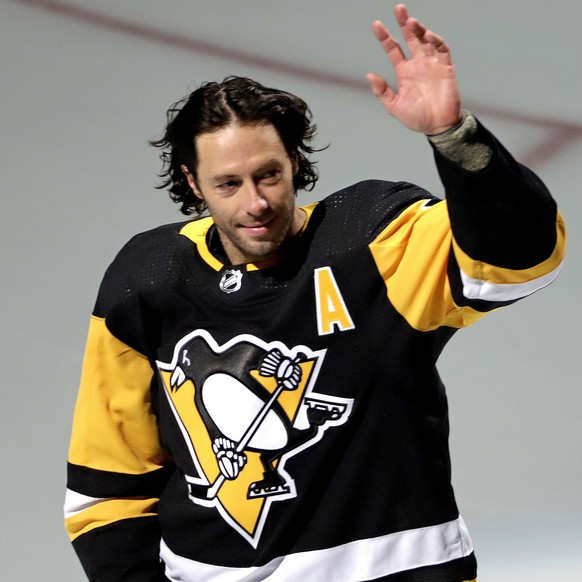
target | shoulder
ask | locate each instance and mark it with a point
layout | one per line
(146, 260)
(148, 241)
(369, 206)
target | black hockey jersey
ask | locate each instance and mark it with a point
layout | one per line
(288, 422)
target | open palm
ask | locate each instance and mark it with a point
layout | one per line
(427, 98)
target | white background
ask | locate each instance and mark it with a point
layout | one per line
(79, 99)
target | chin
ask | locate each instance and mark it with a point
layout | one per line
(262, 251)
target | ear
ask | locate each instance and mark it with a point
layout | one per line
(294, 163)
(191, 181)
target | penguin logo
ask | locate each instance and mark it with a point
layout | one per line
(244, 409)
(231, 280)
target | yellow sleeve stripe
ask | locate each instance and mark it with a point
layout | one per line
(108, 511)
(548, 269)
(412, 255)
(114, 428)
(483, 290)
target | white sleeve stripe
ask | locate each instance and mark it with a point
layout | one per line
(479, 289)
(77, 502)
(366, 559)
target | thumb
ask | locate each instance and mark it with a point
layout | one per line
(380, 88)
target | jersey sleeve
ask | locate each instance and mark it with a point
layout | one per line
(117, 467)
(497, 238)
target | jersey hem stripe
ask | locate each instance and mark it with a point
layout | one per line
(359, 560)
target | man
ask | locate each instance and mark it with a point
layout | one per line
(259, 396)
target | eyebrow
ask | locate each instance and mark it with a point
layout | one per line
(268, 164)
(223, 177)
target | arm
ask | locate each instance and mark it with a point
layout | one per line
(117, 467)
(507, 235)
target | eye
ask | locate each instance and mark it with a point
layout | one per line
(271, 176)
(226, 186)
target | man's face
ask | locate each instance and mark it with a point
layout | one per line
(245, 176)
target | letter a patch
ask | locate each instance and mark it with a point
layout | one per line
(330, 305)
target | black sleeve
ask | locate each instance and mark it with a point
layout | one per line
(502, 215)
(125, 551)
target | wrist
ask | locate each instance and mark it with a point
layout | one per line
(449, 129)
(462, 144)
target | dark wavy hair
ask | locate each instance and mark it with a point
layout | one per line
(216, 105)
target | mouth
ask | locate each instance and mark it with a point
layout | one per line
(259, 229)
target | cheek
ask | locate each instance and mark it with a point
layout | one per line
(220, 212)
(290, 199)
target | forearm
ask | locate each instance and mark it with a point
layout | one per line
(464, 144)
(126, 551)
(500, 212)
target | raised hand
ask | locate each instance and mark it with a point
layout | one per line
(427, 98)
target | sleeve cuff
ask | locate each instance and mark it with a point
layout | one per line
(460, 144)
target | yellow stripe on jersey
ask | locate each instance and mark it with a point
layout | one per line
(498, 276)
(412, 255)
(114, 428)
(108, 511)
(196, 232)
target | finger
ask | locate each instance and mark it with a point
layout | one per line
(441, 48)
(388, 43)
(401, 14)
(418, 38)
(409, 28)
(377, 84)
(423, 36)
(381, 89)
(429, 42)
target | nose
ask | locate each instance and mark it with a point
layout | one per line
(255, 202)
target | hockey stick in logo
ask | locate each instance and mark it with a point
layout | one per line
(288, 375)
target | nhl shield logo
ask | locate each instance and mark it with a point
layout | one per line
(231, 280)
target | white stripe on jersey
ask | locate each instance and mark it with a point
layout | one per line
(77, 502)
(360, 560)
(479, 289)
